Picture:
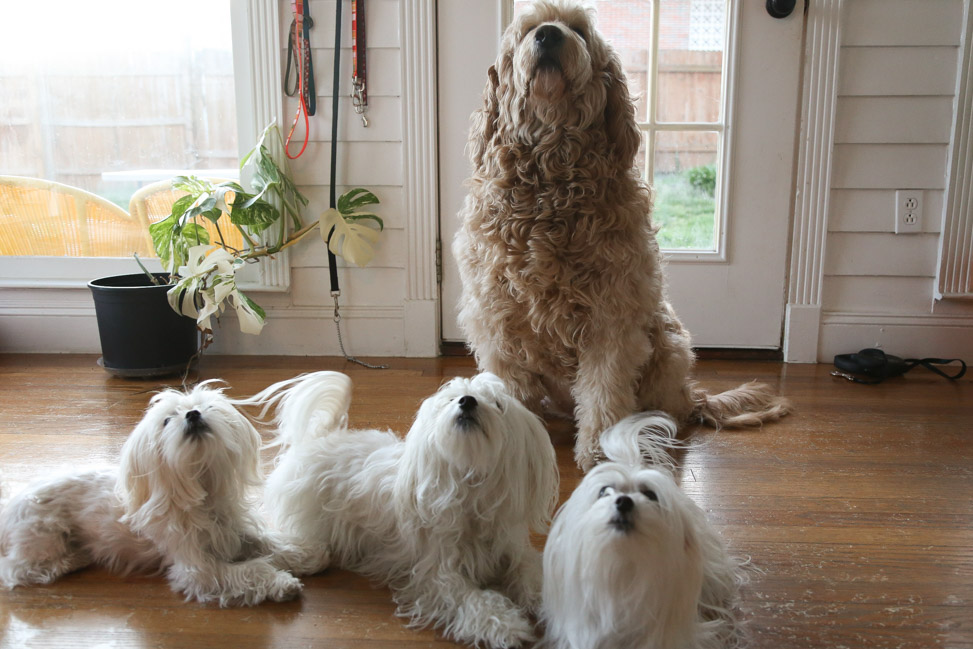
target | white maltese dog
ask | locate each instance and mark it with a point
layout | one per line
(177, 503)
(631, 560)
(442, 517)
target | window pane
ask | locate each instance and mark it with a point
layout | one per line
(627, 25)
(118, 94)
(690, 60)
(685, 184)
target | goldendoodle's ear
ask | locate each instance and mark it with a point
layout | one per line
(622, 131)
(484, 121)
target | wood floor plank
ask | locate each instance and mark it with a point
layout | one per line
(856, 512)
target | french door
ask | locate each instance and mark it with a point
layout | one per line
(718, 82)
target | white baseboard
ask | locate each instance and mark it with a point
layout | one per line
(291, 331)
(920, 336)
(801, 331)
(421, 328)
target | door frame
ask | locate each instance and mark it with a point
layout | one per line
(801, 325)
(809, 230)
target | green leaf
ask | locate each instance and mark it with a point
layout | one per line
(365, 216)
(256, 215)
(205, 203)
(213, 214)
(182, 204)
(354, 199)
(192, 185)
(266, 173)
(249, 314)
(193, 234)
(172, 241)
(253, 305)
(161, 233)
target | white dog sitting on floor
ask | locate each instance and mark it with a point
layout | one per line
(178, 503)
(442, 517)
(631, 560)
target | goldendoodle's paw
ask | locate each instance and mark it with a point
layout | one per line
(587, 456)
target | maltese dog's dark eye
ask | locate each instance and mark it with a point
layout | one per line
(577, 30)
(166, 422)
(603, 491)
(648, 493)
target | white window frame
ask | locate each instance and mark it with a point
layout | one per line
(256, 68)
(651, 126)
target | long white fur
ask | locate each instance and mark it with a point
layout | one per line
(180, 502)
(443, 517)
(666, 582)
(308, 405)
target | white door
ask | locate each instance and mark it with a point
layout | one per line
(728, 290)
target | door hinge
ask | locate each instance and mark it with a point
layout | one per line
(439, 262)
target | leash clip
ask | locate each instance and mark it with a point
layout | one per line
(335, 295)
(358, 98)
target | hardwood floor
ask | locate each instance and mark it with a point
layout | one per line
(857, 511)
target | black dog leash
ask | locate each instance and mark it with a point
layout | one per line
(871, 366)
(332, 260)
(303, 70)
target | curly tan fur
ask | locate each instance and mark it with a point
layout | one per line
(563, 289)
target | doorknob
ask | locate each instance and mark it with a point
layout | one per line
(780, 8)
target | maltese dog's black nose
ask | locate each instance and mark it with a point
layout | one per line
(621, 520)
(466, 419)
(194, 422)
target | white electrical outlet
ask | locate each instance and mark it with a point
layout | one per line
(908, 211)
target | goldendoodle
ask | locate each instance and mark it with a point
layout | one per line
(564, 296)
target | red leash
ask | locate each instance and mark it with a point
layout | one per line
(299, 47)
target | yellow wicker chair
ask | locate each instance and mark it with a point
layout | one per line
(153, 203)
(45, 218)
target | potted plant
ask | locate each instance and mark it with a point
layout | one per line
(200, 272)
(140, 334)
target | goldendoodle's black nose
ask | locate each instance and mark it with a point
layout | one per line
(467, 403)
(624, 504)
(549, 37)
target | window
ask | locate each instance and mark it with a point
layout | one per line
(673, 55)
(257, 72)
(109, 95)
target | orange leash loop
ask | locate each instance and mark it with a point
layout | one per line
(300, 45)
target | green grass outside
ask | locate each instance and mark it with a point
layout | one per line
(685, 215)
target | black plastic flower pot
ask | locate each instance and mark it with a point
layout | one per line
(141, 336)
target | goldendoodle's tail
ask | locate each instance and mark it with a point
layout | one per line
(751, 404)
(308, 406)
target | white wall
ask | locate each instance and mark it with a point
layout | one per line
(300, 321)
(892, 129)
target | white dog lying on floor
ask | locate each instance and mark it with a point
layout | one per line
(442, 517)
(631, 560)
(177, 503)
